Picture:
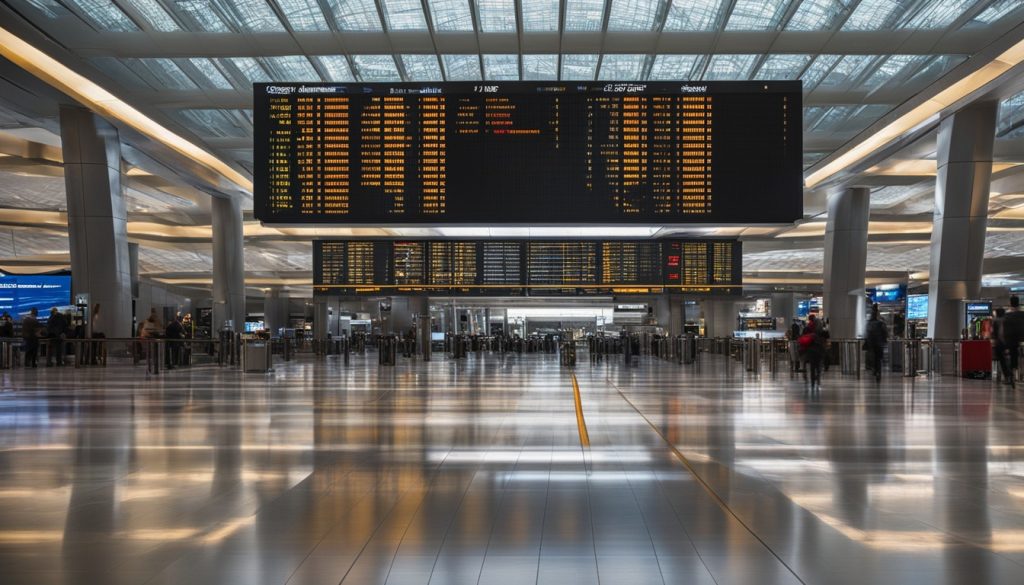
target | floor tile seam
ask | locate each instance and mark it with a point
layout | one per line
(709, 489)
(497, 512)
(636, 501)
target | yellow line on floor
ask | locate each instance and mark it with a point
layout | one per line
(581, 423)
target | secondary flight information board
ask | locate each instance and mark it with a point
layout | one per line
(526, 267)
(528, 152)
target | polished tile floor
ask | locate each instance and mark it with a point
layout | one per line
(473, 472)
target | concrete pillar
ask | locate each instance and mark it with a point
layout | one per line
(965, 145)
(404, 311)
(784, 307)
(320, 317)
(97, 217)
(275, 310)
(846, 255)
(719, 317)
(228, 264)
(677, 316)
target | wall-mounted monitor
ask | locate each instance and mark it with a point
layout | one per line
(917, 306)
(20, 293)
(528, 153)
(526, 267)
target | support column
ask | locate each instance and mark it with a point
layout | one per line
(97, 217)
(719, 317)
(961, 215)
(784, 307)
(320, 317)
(228, 264)
(846, 255)
(275, 310)
(677, 315)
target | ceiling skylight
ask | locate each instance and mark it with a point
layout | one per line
(496, 15)
(729, 67)
(633, 14)
(539, 15)
(200, 17)
(756, 14)
(249, 15)
(303, 15)
(847, 71)
(421, 68)
(105, 15)
(584, 15)
(294, 68)
(164, 71)
(997, 10)
(893, 66)
(692, 15)
(213, 77)
(451, 15)
(579, 67)
(818, 70)
(250, 69)
(782, 67)
(404, 14)
(621, 67)
(376, 68)
(336, 67)
(817, 14)
(540, 67)
(877, 14)
(673, 67)
(462, 67)
(156, 15)
(939, 14)
(501, 67)
(355, 15)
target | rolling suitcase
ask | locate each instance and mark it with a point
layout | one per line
(976, 359)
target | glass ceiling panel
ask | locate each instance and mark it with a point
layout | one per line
(621, 67)
(404, 14)
(213, 123)
(105, 15)
(501, 67)
(693, 15)
(847, 71)
(156, 15)
(756, 14)
(579, 67)
(357, 15)
(200, 16)
(540, 67)
(673, 67)
(936, 68)
(584, 15)
(877, 14)
(376, 68)
(939, 14)
(540, 15)
(421, 68)
(729, 67)
(250, 69)
(782, 67)
(303, 15)
(633, 14)
(50, 8)
(293, 68)
(451, 15)
(120, 72)
(462, 67)
(213, 75)
(812, 114)
(496, 15)
(1011, 116)
(996, 11)
(892, 67)
(165, 71)
(817, 71)
(336, 67)
(817, 14)
(249, 15)
(832, 119)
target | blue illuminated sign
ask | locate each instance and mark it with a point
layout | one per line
(18, 294)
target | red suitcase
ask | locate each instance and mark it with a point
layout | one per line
(976, 359)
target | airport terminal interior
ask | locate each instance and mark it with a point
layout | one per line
(323, 292)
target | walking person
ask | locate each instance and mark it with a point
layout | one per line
(877, 337)
(999, 348)
(56, 332)
(174, 333)
(30, 337)
(812, 352)
(1011, 334)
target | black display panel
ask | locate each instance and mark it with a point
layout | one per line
(529, 153)
(526, 267)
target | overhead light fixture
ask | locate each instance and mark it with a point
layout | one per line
(89, 94)
(925, 113)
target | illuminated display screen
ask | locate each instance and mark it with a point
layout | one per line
(917, 307)
(20, 293)
(526, 267)
(528, 153)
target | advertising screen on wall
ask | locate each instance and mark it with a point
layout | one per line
(528, 153)
(526, 267)
(19, 293)
(917, 306)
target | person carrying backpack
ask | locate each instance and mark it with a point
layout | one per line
(877, 336)
(812, 351)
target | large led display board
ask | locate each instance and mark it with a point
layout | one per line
(528, 153)
(526, 267)
(20, 293)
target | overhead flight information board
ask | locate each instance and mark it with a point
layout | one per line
(526, 267)
(529, 152)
